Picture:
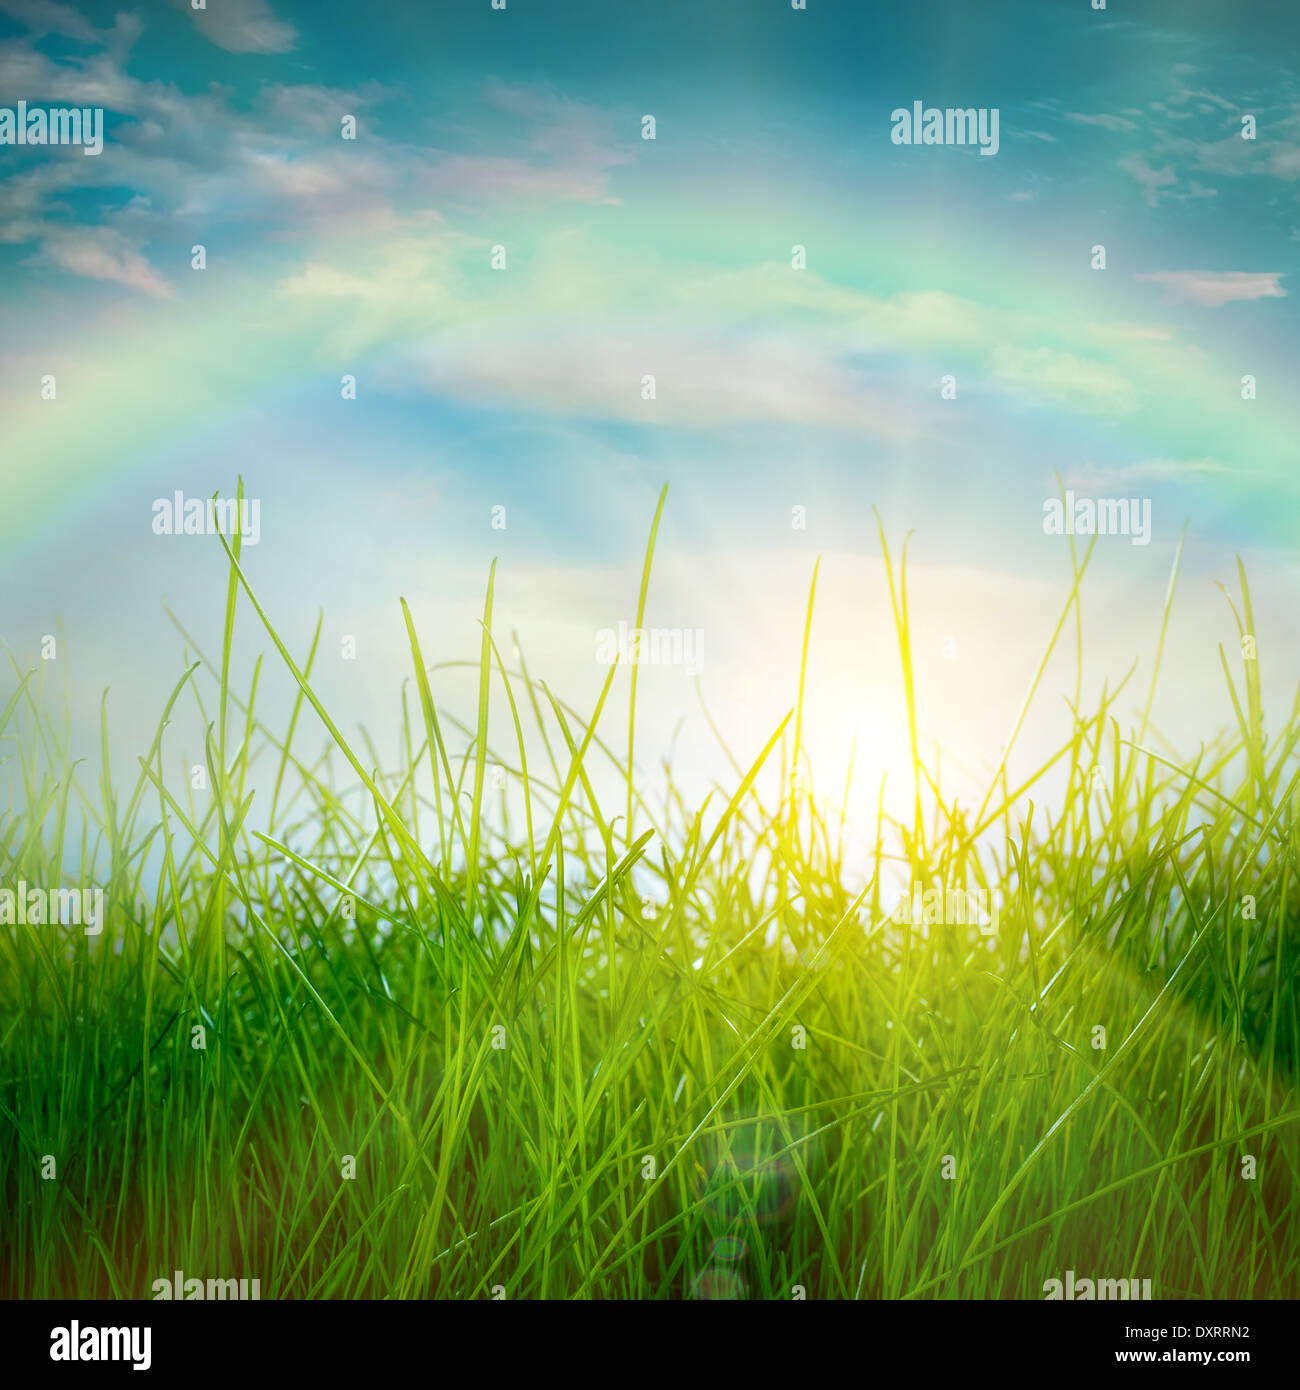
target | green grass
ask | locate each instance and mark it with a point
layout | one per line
(650, 1012)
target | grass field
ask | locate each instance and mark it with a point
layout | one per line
(350, 1040)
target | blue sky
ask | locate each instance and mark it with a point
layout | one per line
(777, 388)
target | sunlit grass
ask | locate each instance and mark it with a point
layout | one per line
(599, 1090)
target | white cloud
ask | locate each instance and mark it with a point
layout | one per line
(568, 152)
(1284, 161)
(99, 253)
(241, 26)
(1174, 154)
(1112, 123)
(1146, 471)
(1151, 179)
(50, 17)
(1080, 383)
(186, 158)
(1211, 289)
(316, 109)
(706, 378)
(194, 160)
(490, 177)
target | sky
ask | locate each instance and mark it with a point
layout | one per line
(838, 326)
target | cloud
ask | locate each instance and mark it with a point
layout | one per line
(95, 81)
(1152, 180)
(1284, 162)
(584, 327)
(1195, 190)
(1196, 131)
(584, 324)
(1211, 289)
(50, 17)
(186, 159)
(1079, 383)
(414, 285)
(1207, 101)
(1112, 123)
(99, 253)
(568, 151)
(317, 110)
(1147, 471)
(195, 161)
(241, 26)
(489, 178)
(719, 378)
(1130, 332)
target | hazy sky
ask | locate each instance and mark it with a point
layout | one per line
(776, 388)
